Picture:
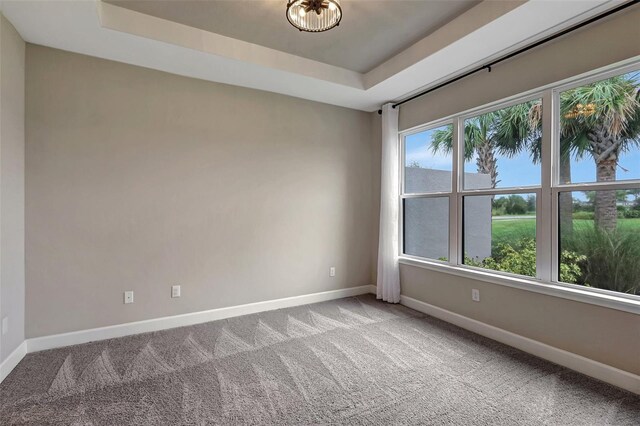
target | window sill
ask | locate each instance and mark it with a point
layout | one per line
(569, 292)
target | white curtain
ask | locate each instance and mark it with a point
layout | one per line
(388, 270)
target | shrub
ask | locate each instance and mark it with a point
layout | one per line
(632, 214)
(623, 211)
(580, 206)
(611, 259)
(531, 203)
(509, 259)
(515, 204)
(521, 259)
(583, 215)
(570, 266)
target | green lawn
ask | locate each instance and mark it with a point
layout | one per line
(511, 231)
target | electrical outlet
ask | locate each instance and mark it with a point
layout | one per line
(332, 271)
(475, 295)
(128, 297)
(5, 325)
(175, 291)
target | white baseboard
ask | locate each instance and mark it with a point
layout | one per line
(156, 324)
(12, 360)
(595, 369)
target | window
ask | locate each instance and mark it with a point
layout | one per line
(426, 227)
(501, 155)
(500, 233)
(601, 249)
(428, 176)
(547, 187)
(428, 161)
(502, 147)
(599, 161)
(599, 133)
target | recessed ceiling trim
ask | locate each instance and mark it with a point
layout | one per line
(461, 26)
(147, 26)
(526, 24)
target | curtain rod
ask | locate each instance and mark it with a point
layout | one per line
(518, 52)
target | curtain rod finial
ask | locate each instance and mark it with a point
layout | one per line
(379, 112)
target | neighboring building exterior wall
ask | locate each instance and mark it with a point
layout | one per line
(426, 219)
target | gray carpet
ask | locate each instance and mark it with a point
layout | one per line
(350, 361)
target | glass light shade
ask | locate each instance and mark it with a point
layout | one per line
(314, 15)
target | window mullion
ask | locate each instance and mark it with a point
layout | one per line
(546, 252)
(455, 210)
(555, 181)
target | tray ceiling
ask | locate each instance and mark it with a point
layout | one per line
(370, 32)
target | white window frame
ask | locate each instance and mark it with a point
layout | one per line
(526, 189)
(547, 226)
(435, 194)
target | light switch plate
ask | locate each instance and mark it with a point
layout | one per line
(128, 297)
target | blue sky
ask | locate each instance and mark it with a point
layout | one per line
(516, 171)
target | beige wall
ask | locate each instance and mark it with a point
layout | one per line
(602, 334)
(12, 283)
(138, 180)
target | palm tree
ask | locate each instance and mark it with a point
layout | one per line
(478, 141)
(602, 120)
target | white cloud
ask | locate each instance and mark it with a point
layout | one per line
(428, 160)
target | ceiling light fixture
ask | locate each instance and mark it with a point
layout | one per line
(314, 16)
